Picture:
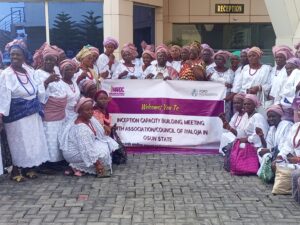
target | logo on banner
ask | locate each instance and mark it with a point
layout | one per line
(199, 92)
(117, 91)
(202, 92)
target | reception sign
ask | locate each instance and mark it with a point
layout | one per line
(169, 114)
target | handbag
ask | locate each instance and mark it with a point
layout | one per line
(243, 161)
(119, 156)
(266, 174)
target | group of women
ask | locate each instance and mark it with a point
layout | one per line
(263, 133)
(55, 111)
(47, 113)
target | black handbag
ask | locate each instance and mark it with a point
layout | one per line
(119, 156)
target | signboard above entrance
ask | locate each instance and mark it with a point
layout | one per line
(229, 8)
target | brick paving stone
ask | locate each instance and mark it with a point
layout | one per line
(150, 189)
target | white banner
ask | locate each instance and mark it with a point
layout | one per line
(180, 114)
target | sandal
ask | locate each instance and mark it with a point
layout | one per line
(18, 178)
(31, 175)
(78, 173)
(69, 172)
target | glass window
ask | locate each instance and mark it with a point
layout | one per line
(228, 36)
(143, 25)
(75, 24)
(22, 20)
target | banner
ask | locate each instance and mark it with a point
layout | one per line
(173, 114)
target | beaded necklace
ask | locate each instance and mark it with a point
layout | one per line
(294, 139)
(22, 83)
(251, 74)
(130, 69)
(90, 125)
(72, 87)
(237, 122)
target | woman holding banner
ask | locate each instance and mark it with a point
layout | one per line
(161, 70)
(127, 70)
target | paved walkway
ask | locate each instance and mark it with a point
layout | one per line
(150, 189)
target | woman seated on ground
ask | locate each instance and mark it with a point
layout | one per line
(100, 110)
(88, 89)
(290, 89)
(290, 149)
(85, 146)
(256, 120)
(236, 124)
(127, 70)
(277, 133)
(243, 157)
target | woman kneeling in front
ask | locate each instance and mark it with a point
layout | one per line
(84, 144)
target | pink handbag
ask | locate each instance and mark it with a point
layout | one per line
(243, 161)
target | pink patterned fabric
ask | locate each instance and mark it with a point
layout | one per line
(81, 102)
(55, 109)
(243, 161)
(254, 99)
(111, 40)
(284, 50)
(152, 54)
(275, 108)
(225, 54)
(256, 50)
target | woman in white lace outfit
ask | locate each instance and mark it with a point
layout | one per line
(84, 144)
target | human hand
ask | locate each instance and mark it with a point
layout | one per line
(107, 130)
(259, 132)
(228, 85)
(159, 76)
(52, 78)
(226, 126)
(263, 151)
(294, 159)
(243, 140)
(104, 75)
(123, 74)
(253, 90)
(149, 76)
